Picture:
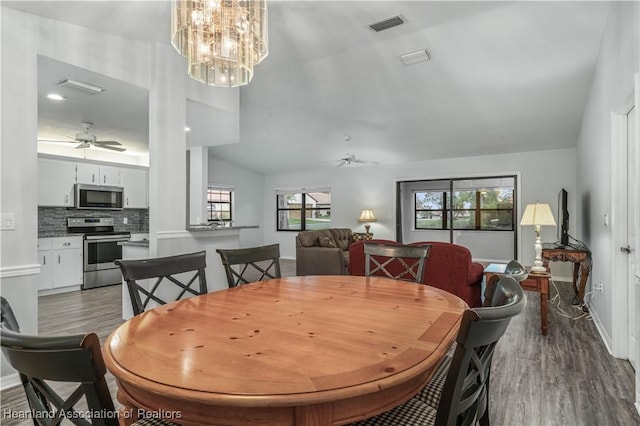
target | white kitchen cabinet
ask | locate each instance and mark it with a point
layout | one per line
(60, 262)
(136, 188)
(55, 182)
(98, 174)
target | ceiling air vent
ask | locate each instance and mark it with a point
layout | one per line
(388, 23)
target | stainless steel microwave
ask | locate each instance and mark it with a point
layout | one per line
(98, 197)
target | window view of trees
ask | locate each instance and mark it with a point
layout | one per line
(303, 211)
(219, 204)
(481, 208)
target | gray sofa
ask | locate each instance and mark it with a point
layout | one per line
(323, 252)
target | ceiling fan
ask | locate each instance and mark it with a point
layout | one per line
(86, 140)
(350, 159)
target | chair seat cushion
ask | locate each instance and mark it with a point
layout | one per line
(153, 422)
(432, 391)
(412, 412)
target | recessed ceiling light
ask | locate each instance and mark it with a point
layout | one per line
(56, 97)
(187, 129)
(81, 85)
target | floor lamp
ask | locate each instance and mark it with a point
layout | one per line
(538, 215)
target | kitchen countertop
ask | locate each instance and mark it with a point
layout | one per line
(196, 229)
(201, 228)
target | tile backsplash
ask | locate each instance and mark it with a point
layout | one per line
(52, 221)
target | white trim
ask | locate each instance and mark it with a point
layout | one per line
(618, 221)
(9, 381)
(167, 235)
(283, 191)
(58, 290)
(19, 270)
(601, 329)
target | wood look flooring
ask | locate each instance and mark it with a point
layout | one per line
(564, 378)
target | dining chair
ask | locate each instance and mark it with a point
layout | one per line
(181, 273)
(251, 264)
(458, 392)
(75, 360)
(399, 262)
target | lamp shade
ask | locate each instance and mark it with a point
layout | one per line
(538, 214)
(367, 216)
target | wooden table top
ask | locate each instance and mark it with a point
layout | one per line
(286, 342)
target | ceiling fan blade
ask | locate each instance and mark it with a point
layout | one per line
(56, 141)
(342, 163)
(110, 148)
(365, 162)
(83, 145)
(108, 142)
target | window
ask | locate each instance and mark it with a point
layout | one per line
(219, 201)
(481, 204)
(303, 210)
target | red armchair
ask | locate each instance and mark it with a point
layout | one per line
(449, 267)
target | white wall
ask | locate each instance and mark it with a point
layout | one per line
(542, 173)
(613, 82)
(249, 204)
(156, 67)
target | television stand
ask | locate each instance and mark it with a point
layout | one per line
(580, 256)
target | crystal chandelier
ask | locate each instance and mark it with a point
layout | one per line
(221, 39)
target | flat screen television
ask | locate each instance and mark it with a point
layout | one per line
(563, 218)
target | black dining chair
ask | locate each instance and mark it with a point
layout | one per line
(75, 360)
(184, 274)
(458, 392)
(513, 269)
(400, 262)
(246, 265)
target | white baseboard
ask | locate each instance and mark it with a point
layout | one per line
(606, 339)
(9, 381)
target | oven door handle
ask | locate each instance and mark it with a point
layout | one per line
(107, 238)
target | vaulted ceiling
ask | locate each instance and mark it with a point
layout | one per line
(503, 77)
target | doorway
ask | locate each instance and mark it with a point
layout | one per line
(625, 274)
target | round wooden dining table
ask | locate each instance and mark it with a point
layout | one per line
(314, 350)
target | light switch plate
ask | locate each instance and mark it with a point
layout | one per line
(7, 221)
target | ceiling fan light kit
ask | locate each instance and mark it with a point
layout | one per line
(222, 39)
(350, 159)
(88, 140)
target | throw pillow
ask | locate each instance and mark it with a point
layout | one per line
(327, 242)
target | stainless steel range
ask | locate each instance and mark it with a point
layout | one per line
(101, 249)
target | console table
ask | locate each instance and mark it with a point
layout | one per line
(581, 259)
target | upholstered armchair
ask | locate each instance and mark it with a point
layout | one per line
(448, 266)
(323, 252)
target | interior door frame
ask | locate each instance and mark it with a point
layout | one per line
(620, 323)
(619, 213)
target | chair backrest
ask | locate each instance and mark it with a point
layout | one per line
(72, 359)
(400, 262)
(164, 269)
(251, 264)
(513, 269)
(464, 399)
(7, 317)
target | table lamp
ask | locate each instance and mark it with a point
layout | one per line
(538, 215)
(367, 216)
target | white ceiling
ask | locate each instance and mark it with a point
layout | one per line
(503, 77)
